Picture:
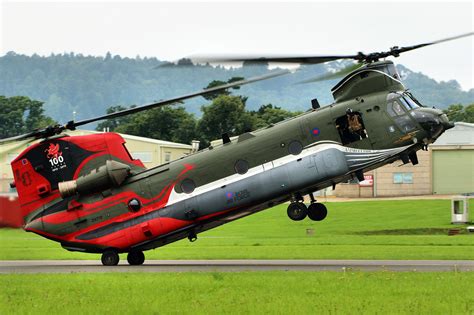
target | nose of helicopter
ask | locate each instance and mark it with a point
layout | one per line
(433, 120)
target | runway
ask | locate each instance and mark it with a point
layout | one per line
(78, 266)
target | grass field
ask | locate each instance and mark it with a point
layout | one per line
(408, 229)
(239, 293)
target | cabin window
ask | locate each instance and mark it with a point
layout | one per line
(351, 127)
(134, 205)
(241, 166)
(295, 147)
(188, 185)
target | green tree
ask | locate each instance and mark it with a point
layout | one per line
(19, 114)
(164, 123)
(226, 114)
(268, 114)
(216, 83)
(458, 112)
(112, 124)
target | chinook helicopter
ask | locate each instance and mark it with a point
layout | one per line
(90, 195)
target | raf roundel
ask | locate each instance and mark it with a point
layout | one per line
(315, 132)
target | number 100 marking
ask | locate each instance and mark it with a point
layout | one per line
(56, 161)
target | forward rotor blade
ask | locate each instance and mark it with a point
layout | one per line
(332, 75)
(180, 98)
(408, 48)
(361, 57)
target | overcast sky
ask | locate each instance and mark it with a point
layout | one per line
(171, 30)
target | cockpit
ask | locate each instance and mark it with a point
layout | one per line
(399, 105)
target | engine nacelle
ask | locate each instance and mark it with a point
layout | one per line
(112, 174)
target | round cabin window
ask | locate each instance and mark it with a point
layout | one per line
(295, 147)
(134, 205)
(188, 185)
(241, 166)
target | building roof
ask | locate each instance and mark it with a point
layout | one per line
(461, 134)
(143, 139)
(159, 142)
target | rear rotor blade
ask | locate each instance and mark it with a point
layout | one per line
(332, 75)
(18, 138)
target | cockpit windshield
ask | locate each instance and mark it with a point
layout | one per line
(410, 98)
(408, 103)
(406, 99)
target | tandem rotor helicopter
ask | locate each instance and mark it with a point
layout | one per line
(90, 195)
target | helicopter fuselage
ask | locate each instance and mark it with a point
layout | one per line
(98, 210)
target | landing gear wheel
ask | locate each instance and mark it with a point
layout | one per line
(110, 258)
(135, 258)
(297, 211)
(317, 211)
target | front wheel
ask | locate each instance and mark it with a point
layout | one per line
(297, 211)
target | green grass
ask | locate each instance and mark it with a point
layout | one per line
(239, 293)
(408, 229)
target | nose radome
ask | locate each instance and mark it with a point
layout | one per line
(445, 121)
(433, 120)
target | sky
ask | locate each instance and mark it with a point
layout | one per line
(172, 30)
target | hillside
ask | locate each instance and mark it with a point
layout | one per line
(87, 85)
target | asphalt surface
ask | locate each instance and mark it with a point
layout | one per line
(75, 266)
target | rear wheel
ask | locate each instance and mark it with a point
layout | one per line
(135, 258)
(317, 211)
(110, 258)
(297, 211)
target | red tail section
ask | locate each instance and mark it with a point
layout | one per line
(39, 169)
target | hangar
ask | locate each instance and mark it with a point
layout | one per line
(453, 161)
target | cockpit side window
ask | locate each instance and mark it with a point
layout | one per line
(394, 108)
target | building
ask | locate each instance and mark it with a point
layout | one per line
(151, 152)
(446, 168)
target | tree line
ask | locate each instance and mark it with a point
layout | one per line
(87, 85)
(226, 113)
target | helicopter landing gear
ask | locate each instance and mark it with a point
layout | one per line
(317, 211)
(136, 258)
(110, 258)
(297, 211)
